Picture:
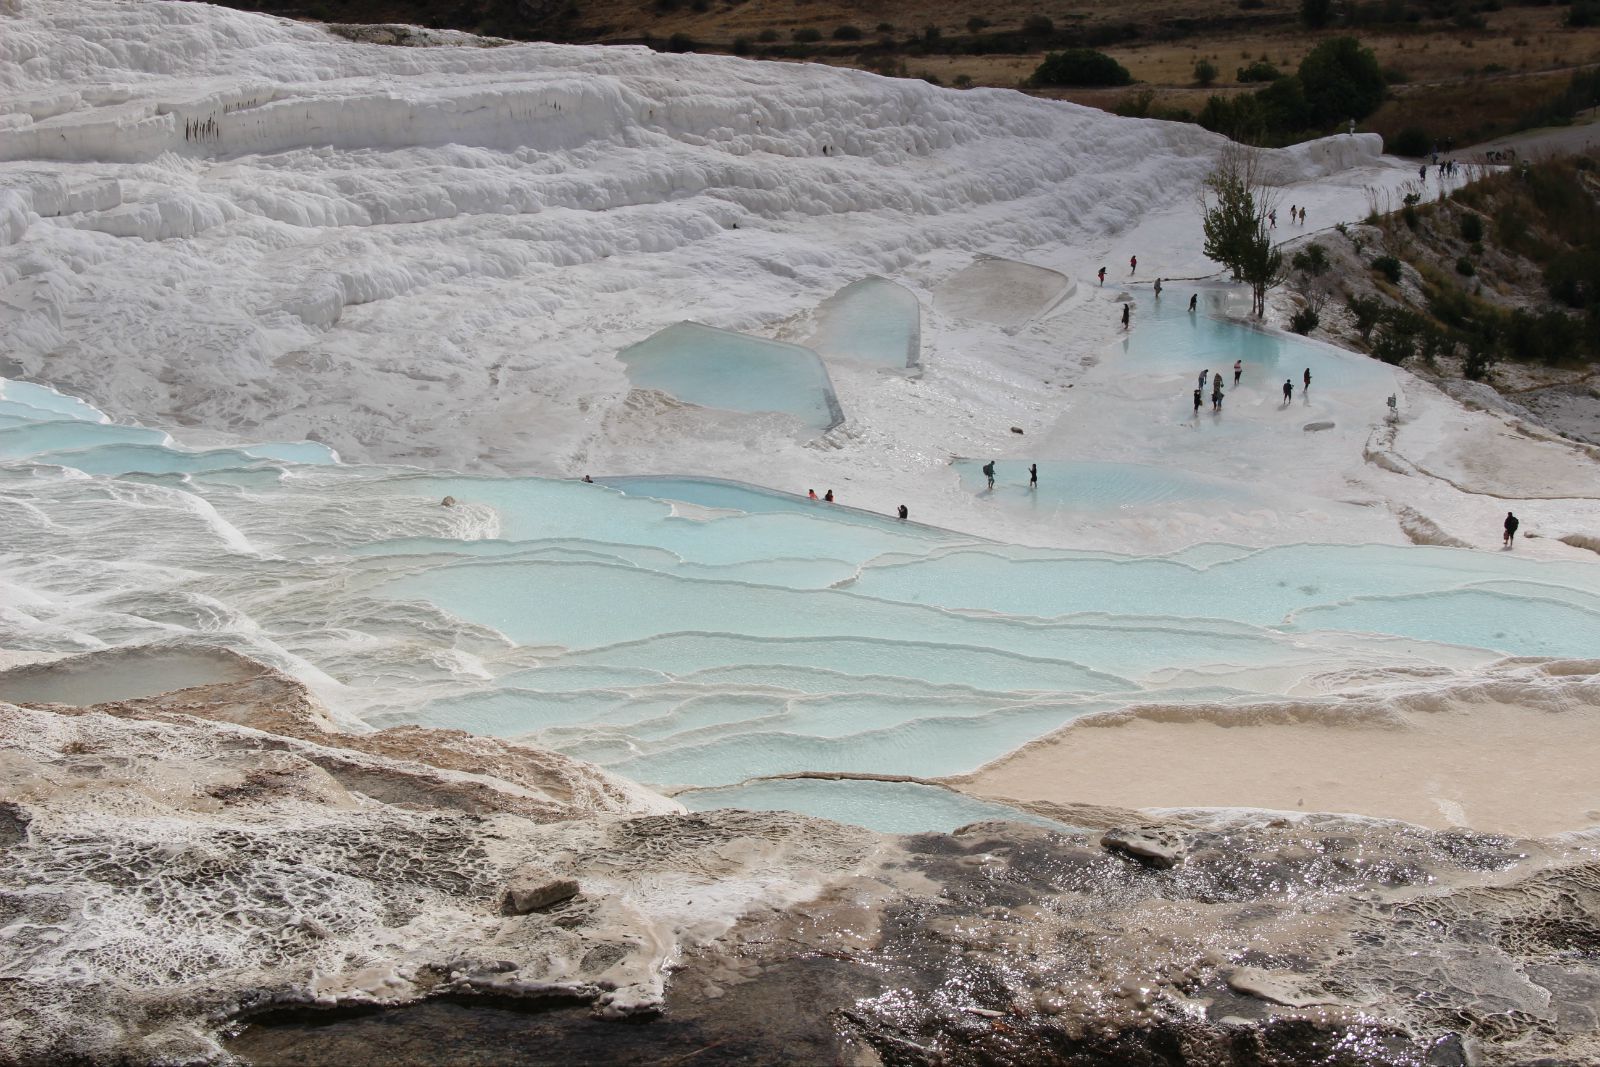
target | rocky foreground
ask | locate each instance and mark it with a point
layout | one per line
(218, 873)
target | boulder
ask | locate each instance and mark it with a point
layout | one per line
(1016, 429)
(1153, 848)
(530, 889)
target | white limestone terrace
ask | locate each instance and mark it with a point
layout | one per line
(245, 228)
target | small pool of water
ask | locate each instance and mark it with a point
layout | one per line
(889, 807)
(870, 321)
(1081, 485)
(715, 368)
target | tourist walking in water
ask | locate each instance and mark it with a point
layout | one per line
(1127, 315)
(1216, 382)
(1216, 396)
(988, 472)
(1238, 369)
(1033, 476)
(1198, 393)
(1158, 287)
(1102, 275)
(1133, 264)
(1306, 380)
(1511, 529)
(1288, 390)
(811, 493)
(1203, 376)
(1193, 298)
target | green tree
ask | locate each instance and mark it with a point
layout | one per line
(1341, 81)
(1081, 66)
(1205, 72)
(1234, 203)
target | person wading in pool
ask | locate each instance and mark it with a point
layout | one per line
(988, 472)
(1033, 476)
(1102, 275)
(1133, 264)
(812, 493)
(1511, 529)
(1198, 395)
(1288, 390)
(1306, 379)
(1127, 315)
(1216, 382)
(1202, 382)
(1216, 395)
(1193, 299)
(828, 496)
(1238, 369)
(904, 511)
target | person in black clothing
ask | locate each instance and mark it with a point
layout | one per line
(1127, 315)
(1216, 396)
(828, 496)
(903, 512)
(1288, 390)
(988, 472)
(1197, 395)
(1306, 388)
(1511, 529)
(1193, 298)
(1033, 476)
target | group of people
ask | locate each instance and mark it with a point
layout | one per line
(1133, 268)
(1238, 372)
(1296, 214)
(827, 497)
(901, 511)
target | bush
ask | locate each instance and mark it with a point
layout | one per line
(1259, 71)
(1584, 13)
(883, 27)
(1080, 66)
(1312, 260)
(767, 36)
(806, 36)
(741, 46)
(1038, 26)
(1252, 5)
(680, 42)
(1464, 267)
(1574, 277)
(1304, 321)
(977, 23)
(1387, 266)
(846, 33)
(1471, 227)
(1205, 72)
(1397, 336)
(1366, 311)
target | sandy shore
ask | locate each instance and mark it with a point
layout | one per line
(1490, 766)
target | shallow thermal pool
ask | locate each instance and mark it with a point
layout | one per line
(700, 634)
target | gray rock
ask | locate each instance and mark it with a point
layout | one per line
(530, 889)
(1016, 429)
(1153, 848)
(1313, 427)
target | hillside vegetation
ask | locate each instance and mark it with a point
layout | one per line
(1453, 69)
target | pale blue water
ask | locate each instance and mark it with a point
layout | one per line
(695, 648)
(871, 321)
(720, 369)
(889, 807)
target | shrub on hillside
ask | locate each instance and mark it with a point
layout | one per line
(1304, 321)
(1259, 71)
(1311, 259)
(1412, 141)
(808, 35)
(1464, 267)
(846, 33)
(1471, 227)
(1080, 66)
(1387, 266)
(1038, 26)
(1205, 72)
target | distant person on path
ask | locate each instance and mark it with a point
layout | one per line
(1422, 173)
(1193, 299)
(903, 511)
(1102, 276)
(1288, 390)
(1127, 315)
(828, 496)
(1158, 287)
(1216, 396)
(1272, 217)
(1133, 264)
(1511, 529)
(1238, 369)
(988, 472)
(1302, 215)
(1198, 393)
(1033, 476)
(1306, 380)
(1292, 215)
